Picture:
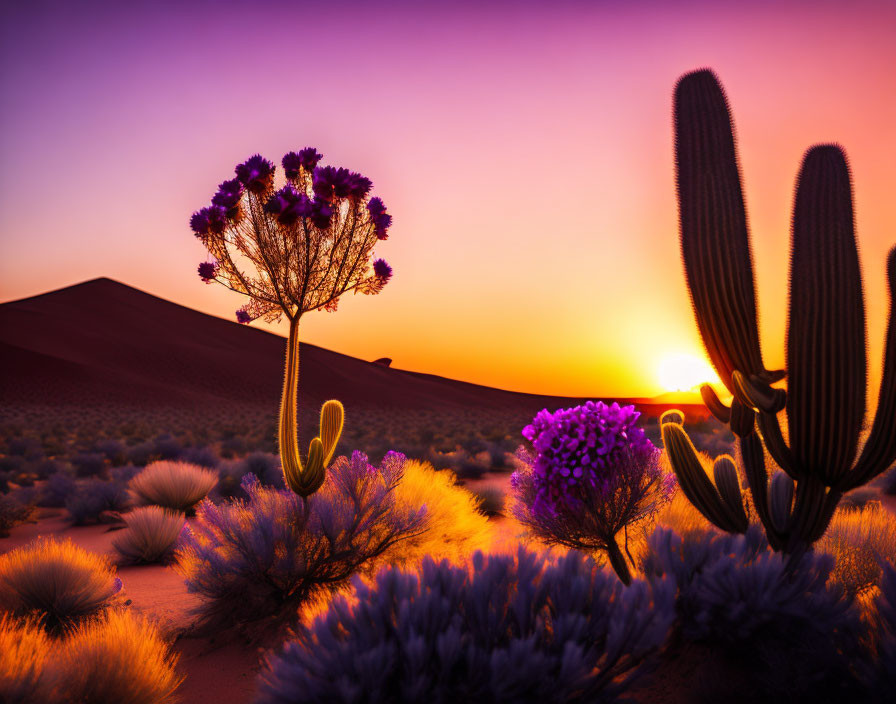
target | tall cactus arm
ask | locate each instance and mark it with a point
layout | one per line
(879, 452)
(711, 400)
(757, 393)
(770, 429)
(332, 419)
(826, 333)
(287, 435)
(753, 461)
(713, 224)
(721, 508)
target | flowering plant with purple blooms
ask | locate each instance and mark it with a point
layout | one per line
(307, 242)
(593, 474)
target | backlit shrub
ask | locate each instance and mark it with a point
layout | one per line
(593, 475)
(858, 538)
(455, 527)
(118, 657)
(880, 671)
(255, 561)
(150, 535)
(24, 648)
(58, 583)
(507, 629)
(57, 488)
(175, 485)
(770, 628)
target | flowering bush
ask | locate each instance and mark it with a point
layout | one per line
(254, 562)
(507, 629)
(58, 583)
(310, 242)
(175, 485)
(768, 627)
(594, 473)
(150, 535)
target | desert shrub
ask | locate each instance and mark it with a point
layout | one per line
(857, 539)
(13, 511)
(45, 468)
(113, 450)
(55, 490)
(24, 650)
(117, 657)
(880, 672)
(454, 526)
(141, 454)
(771, 628)
(175, 485)
(124, 474)
(254, 561)
(201, 456)
(93, 498)
(474, 467)
(230, 447)
(264, 465)
(56, 582)
(4, 482)
(593, 475)
(509, 628)
(12, 464)
(150, 535)
(89, 464)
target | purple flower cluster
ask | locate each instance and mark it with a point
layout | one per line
(288, 205)
(306, 159)
(228, 196)
(382, 270)
(243, 317)
(211, 219)
(586, 444)
(208, 271)
(330, 183)
(256, 173)
(379, 217)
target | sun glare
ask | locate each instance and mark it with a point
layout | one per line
(682, 372)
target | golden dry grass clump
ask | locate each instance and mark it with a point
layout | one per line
(456, 528)
(856, 538)
(116, 657)
(119, 657)
(150, 535)
(24, 647)
(58, 583)
(175, 485)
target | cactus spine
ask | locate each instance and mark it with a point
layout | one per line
(826, 362)
(304, 481)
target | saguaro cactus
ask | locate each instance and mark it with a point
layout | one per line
(310, 242)
(826, 363)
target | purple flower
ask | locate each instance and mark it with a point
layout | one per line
(256, 173)
(288, 205)
(211, 219)
(376, 207)
(379, 217)
(306, 159)
(586, 444)
(382, 270)
(208, 271)
(243, 317)
(229, 194)
(359, 186)
(117, 585)
(329, 182)
(321, 213)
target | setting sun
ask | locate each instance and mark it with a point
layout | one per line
(682, 372)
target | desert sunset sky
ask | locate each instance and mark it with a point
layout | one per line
(524, 149)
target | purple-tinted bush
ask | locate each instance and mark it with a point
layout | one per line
(166, 447)
(113, 450)
(774, 628)
(89, 464)
(593, 474)
(12, 464)
(56, 490)
(201, 456)
(94, 497)
(44, 468)
(264, 465)
(254, 562)
(880, 672)
(510, 629)
(141, 454)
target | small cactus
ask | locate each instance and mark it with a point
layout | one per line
(826, 361)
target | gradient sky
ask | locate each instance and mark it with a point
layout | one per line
(525, 152)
